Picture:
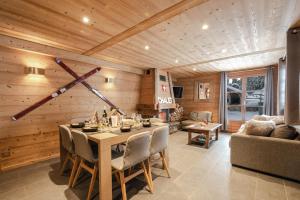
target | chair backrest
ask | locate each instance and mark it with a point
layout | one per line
(66, 138)
(82, 146)
(159, 140)
(137, 149)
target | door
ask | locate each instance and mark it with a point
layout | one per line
(245, 98)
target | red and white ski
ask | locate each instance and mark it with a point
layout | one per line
(55, 94)
(88, 86)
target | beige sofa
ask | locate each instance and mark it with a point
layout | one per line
(195, 117)
(266, 154)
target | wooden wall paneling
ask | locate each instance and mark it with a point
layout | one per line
(15, 43)
(188, 102)
(35, 137)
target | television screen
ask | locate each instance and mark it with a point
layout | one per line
(178, 91)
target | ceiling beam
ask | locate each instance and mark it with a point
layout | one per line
(229, 57)
(159, 17)
(20, 44)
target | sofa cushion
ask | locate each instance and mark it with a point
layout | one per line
(278, 119)
(259, 128)
(201, 116)
(284, 132)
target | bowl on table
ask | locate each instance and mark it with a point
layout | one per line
(147, 124)
(90, 129)
(77, 125)
(125, 128)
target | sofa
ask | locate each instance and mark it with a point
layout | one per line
(199, 116)
(271, 155)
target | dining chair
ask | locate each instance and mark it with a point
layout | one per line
(136, 152)
(87, 157)
(159, 144)
(68, 145)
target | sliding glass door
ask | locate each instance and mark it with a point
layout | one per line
(245, 97)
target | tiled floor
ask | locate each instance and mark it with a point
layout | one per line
(197, 173)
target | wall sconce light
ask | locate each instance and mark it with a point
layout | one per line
(34, 70)
(109, 80)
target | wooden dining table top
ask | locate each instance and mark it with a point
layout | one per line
(115, 136)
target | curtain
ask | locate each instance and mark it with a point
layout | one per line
(269, 103)
(281, 86)
(223, 100)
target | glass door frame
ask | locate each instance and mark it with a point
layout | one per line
(243, 75)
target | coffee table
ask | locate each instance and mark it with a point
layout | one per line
(203, 129)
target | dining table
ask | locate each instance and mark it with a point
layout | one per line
(105, 140)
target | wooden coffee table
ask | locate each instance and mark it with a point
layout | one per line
(206, 130)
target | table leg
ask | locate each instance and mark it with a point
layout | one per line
(207, 139)
(217, 134)
(189, 137)
(105, 175)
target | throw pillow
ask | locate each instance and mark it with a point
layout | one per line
(259, 128)
(261, 117)
(284, 132)
(194, 116)
(278, 119)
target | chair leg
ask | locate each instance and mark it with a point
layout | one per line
(162, 155)
(150, 173)
(64, 164)
(147, 177)
(78, 172)
(74, 169)
(94, 175)
(123, 185)
(117, 177)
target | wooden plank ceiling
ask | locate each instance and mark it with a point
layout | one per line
(240, 34)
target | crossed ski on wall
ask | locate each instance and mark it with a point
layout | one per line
(78, 79)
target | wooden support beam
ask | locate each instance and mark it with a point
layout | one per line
(228, 57)
(164, 15)
(15, 43)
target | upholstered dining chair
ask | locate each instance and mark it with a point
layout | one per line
(159, 143)
(68, 145)
(86, 155)
(137, 151)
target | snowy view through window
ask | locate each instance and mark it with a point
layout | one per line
(245, 97)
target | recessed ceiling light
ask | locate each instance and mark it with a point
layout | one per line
(85, 20)
(147, 47)
(176, 61)
(194, 69)
(204, 27)
(224, 50)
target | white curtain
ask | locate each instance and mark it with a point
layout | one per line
(281, 86)
(223, 101)
(269, 103)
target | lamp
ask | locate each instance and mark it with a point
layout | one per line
(109, 80)
(34, 70)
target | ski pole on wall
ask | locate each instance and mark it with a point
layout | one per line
(88, 86)
(55, 94)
